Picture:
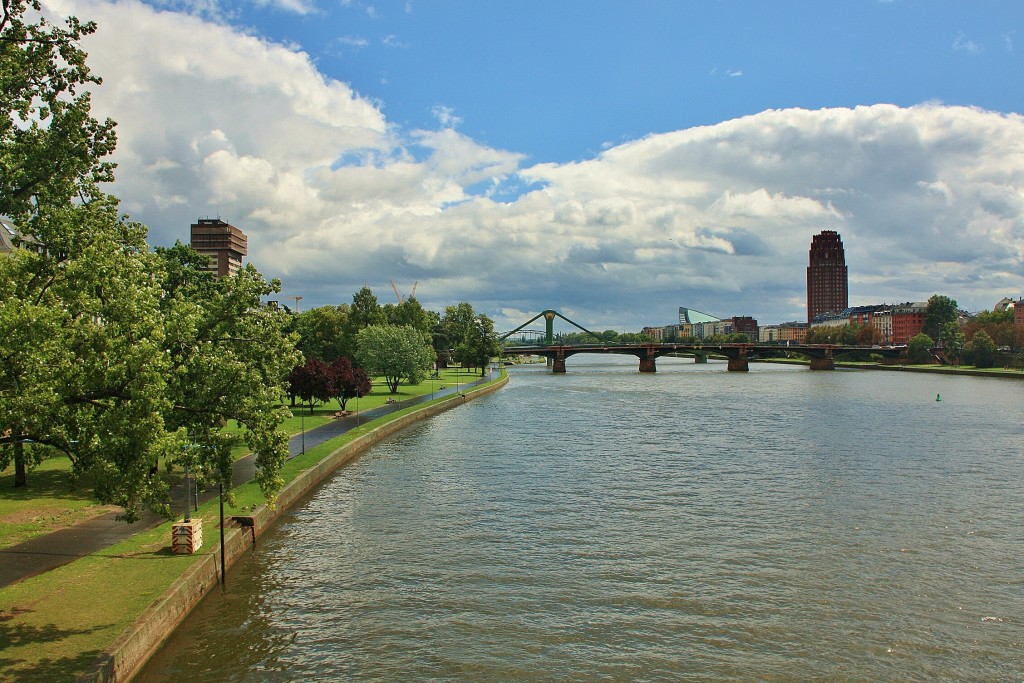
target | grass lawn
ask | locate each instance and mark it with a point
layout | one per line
(49, 502)
(56, 624)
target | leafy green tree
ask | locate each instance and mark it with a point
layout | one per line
(114, 355)
(939, 311)
(395, 353)
(410, 312)
(363, 312)
(982, 350)
(919, 348)
(230, 357)
(82, 368)
(479, 346)
(51, 148)
(457, 322)
(952, 340)
(322, 333)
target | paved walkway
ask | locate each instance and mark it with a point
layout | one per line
(50, 551)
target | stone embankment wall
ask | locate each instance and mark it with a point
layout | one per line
(126, 656)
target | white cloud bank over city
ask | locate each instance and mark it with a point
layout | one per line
(928, 199)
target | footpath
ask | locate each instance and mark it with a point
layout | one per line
(96, 616)
(52, 550)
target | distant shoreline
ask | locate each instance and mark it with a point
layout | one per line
(937, 370)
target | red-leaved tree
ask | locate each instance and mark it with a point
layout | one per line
(311, 382)
(348, 381)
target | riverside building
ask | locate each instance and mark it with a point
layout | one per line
(827, 284)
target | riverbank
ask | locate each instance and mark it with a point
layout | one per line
(98, 618)
(1005, 373)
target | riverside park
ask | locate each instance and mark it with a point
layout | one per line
(96, 613)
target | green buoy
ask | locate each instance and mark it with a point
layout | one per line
(938, 397)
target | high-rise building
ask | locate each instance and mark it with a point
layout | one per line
(827, 286)
(224, 244)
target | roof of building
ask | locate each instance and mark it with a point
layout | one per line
(688, 315)
(7, 234)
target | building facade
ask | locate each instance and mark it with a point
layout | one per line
(827, 282)
(222, 243)
(907, 320)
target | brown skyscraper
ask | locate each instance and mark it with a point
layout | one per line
(826, 275)
(223, 243)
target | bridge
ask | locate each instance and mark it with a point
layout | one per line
(822, 356)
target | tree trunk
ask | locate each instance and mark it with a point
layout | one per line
(20, 478)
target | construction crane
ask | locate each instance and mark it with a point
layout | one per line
(398, 294)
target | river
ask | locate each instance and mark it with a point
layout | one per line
(693, 524)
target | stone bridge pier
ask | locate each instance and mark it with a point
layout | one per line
(823, 363)
(737, 359)
(647, 360)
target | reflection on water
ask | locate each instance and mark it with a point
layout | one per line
(693, 524)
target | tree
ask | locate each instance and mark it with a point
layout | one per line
(982, 350)
(51, 148)
(410, 312)
(322, 333)
(114, 355)
(230, 357)
(480, 344)
(83, 368)
(312, 381)
(939, 311)
(348, 381)
(952, 340)
(919, 348)
(396, 353)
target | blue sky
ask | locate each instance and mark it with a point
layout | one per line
(560, 81)
(613, 160)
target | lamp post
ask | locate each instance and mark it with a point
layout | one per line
(223, 570)
(188, 495)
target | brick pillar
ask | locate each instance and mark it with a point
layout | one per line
(825, 363)
(698, 358)
(738, 364)
(647, 364)
(558, 364)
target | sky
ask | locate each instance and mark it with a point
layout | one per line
(610, 160)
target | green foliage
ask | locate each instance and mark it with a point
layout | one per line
(940, 310)
(999, 325)
(113, 355)
(230, 357)
(323, 333)
(411, 313)
(51, 149)
(850, 334)
(919, 348)
(396, 353)
(83, 369)
(480, 344)
(982, 350)
(952, 340)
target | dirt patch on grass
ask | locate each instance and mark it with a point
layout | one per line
(29, 523)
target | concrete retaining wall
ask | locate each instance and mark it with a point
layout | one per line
(126, 656)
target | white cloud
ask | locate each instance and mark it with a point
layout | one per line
(964, 44)
(213, 122)
(353, 41)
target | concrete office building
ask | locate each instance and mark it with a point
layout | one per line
(224, 244)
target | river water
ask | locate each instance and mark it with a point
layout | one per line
(693, 524)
